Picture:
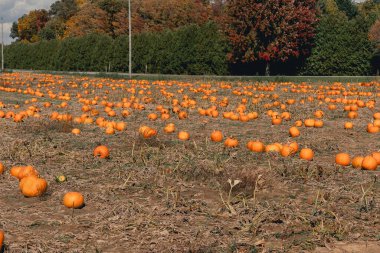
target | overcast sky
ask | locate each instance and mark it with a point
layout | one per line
(11, 10)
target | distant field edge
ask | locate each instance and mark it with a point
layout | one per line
(140, 76)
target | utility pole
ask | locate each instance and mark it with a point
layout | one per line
(130, 39)
(2, 45)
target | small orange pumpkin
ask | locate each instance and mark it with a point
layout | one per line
(75, 131)
(256, 146)
(73, 200)
(348, 125)
(343, 159)
(2, 168)
(217, 136)
(183, 136)
(272, 148)
(1, 239)
(231, 142)
(101, 151)
(357, 162)
(309, 122)
(294, 132)
(169, 128)
(318, 123)
(375, 155)
(307, 154)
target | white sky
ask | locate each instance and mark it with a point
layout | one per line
(11, 10)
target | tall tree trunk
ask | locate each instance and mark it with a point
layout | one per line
(267, 69)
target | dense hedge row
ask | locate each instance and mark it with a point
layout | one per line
(189, 50)
(341, 47)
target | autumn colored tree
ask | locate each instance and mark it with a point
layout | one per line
(158, 15)
(111, 8)
(31, 24)
(89, 19)
(271, 30)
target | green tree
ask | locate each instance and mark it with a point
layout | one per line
(348, 7)
(14, 31)
(54, 29)
(341, 45)
(64, 9)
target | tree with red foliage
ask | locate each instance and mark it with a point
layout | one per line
(270, 30)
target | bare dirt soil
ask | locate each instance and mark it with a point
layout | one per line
(166, 195)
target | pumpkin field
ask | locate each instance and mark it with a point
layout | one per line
(91, 164)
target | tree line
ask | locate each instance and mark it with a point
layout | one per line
(245, 37)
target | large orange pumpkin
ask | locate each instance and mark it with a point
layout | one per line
(369, 163)
(32, 186)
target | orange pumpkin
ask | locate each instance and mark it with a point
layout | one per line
(348, 125)
(2, 168)
(372, 129)
(343, 159)
(286, 151)
(183, 136)
(272, 148)
(23, 171)
(169, 128)
(318, 123)
(1, 239)
(276, 120)
(298, 123)
(309, 122)
(307, 154)
(231, 142)
(32, 186)
(294, 132)
(75, 131)
(369, 163)
(294, 146)
(375, 155)
(256, 146)
(217, 136)
(101, 151)
(357, 162)
(73, 200)
(147, 132)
